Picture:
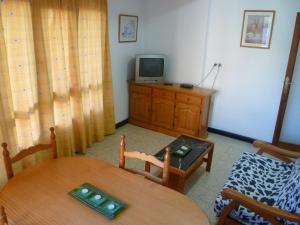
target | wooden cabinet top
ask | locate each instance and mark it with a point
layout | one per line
(177, 88)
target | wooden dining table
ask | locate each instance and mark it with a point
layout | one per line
(39, 195)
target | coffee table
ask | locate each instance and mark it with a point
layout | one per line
(182, 167)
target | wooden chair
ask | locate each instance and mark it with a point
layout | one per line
(148, 159)
(269, 213)
(3, 217)
(8, 161)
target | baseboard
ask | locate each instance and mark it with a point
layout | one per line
(122, 123)
(210, 129)
(231, 135)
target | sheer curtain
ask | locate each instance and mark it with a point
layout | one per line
(54, 71)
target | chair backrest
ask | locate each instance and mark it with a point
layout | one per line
(149, 159)
(3, 217)
(8, 161)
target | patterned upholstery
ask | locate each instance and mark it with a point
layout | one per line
(266, 180)
(289, 197)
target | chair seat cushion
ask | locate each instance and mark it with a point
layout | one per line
(289, 196)
(258, 177)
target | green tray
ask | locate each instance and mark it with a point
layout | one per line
(102, 203)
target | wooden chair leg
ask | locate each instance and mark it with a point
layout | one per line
(3, 218)
(122, 150)
(226, 211)
(209, 159)
(147, 167)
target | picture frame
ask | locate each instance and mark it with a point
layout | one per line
(128, 27)
(257, 28)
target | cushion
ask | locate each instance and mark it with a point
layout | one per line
(258, 177)
(289, 196)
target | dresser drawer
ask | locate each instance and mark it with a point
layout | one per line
(159, 93)
(188, 99)
(141, 89)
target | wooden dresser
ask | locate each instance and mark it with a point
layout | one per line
(170, 109)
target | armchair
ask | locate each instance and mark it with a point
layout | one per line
(262, 190)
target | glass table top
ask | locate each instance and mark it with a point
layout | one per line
(196, 147)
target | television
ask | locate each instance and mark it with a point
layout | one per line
(150, 68)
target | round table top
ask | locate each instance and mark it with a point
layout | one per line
(39, 195)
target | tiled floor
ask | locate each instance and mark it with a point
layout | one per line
(202, 187)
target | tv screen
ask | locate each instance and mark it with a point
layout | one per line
(151, 67)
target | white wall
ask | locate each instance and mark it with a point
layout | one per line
(122, 54)
(250, 83)
(291, 123)
(196, 33)
(177, 28)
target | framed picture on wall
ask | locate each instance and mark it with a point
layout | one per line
(128, 26)
(257, 28)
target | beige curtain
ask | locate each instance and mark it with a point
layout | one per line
(54, 71)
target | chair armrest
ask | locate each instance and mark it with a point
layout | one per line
(268, 212)
(280, 153)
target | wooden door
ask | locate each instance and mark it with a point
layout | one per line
(162, 113)
(140, 108)
(285, 101)
(187, 118)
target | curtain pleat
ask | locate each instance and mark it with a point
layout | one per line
(7, 121)
(109, 116)
(55, 70)
(21, 73)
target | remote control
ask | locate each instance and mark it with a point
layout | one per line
(189, 86)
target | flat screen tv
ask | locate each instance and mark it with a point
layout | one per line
(150, 68)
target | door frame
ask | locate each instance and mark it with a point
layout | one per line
(287, 81)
